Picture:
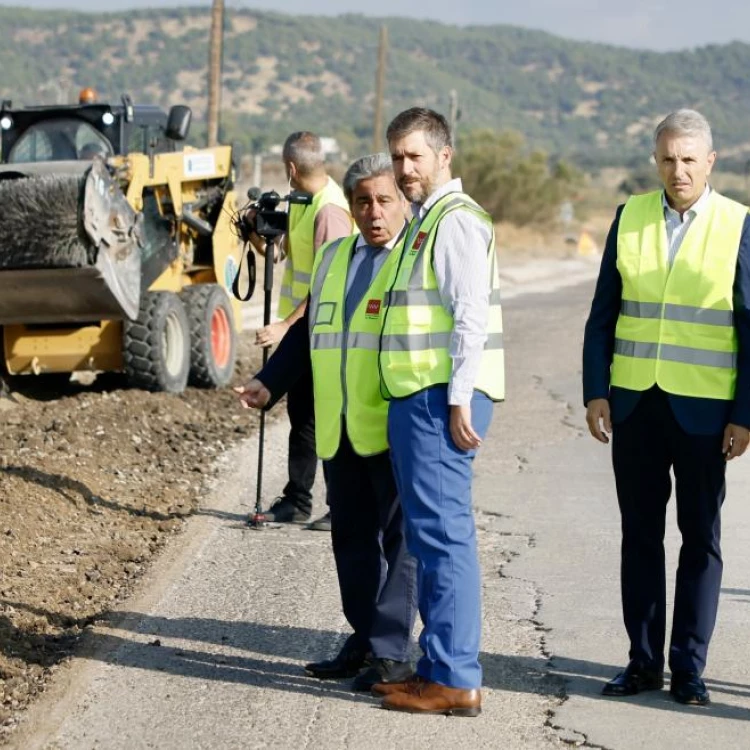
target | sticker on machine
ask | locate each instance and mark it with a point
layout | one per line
(230, 271)
(199, 165)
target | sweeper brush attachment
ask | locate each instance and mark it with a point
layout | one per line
(40, 226)
(69, 247)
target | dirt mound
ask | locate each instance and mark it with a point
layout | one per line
(93, 480)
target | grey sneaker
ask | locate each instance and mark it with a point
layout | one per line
(321, 524)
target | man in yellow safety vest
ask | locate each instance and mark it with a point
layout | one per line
(338, 338)
(666, 371)
(310, 227)
(441, 363)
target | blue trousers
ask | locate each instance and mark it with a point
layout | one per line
(434, 483)
(377, 576)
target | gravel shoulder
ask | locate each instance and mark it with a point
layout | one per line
(94, 479)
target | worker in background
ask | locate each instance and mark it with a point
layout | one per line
(310, 227)
(340, 328)
(666, 371)
(442, 365)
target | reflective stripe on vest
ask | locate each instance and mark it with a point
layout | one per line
(295, 283)
(676, 324)
(684, 313)
(346, 381)
(414, 351)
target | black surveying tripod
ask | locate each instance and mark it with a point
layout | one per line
(263, 217)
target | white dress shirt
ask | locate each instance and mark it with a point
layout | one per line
(463, 279)
(678, 225)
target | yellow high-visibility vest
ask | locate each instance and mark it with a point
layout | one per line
(300, 235)
(676, 325)
(414, 351)
(346, 382)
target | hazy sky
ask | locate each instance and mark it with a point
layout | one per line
(651, 24)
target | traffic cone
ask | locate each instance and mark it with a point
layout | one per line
(586, 244)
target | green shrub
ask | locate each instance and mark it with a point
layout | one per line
(512, 183)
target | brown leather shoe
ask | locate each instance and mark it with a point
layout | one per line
(379, 689)
(431, 698)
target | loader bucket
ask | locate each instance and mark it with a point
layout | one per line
(70, 245)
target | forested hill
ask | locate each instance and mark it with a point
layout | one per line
(285, 73)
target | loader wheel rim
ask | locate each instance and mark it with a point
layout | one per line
(221, 337)
(173, 340)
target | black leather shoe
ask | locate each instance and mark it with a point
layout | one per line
(284, 510)
(635, 679)
(689, 688)
(320, 524)
(382, 671)
(346, 663)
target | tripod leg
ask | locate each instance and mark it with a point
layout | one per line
(261, 440)
(257, 520)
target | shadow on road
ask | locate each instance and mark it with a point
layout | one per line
(585, 678)
(235, 652)
(738, 594)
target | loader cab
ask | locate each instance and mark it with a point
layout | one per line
(80, 132)
(57, 133)
(152, 131)
(59, 139)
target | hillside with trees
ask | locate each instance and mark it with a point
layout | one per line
(591, 103)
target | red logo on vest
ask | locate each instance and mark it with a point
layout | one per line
(373, 307)
(420, 238)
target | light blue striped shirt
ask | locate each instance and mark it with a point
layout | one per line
(463, 279)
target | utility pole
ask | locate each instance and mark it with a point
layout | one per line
(377, 130)
(214, 71)
(453, 115)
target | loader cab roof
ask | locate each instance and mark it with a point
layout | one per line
(80, 131)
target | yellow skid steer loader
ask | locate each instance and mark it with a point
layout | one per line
(117, 249)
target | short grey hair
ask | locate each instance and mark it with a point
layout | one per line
(373, 165)
(305, 151)
(686, 122)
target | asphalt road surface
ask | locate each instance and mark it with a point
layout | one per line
(210, 654)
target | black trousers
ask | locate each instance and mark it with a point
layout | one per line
(645, 447)
(303, 460)
(377, 576)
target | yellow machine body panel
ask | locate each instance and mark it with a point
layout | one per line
(36, 350)
(181, 172)
(227, 254)
(177, 179)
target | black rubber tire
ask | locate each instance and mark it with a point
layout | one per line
(203, 302)
(156, 346)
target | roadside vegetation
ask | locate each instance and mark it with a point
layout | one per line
(592, 104)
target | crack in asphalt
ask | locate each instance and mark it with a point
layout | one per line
(567, 735)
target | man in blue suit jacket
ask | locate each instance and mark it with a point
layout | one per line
(671, 382)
